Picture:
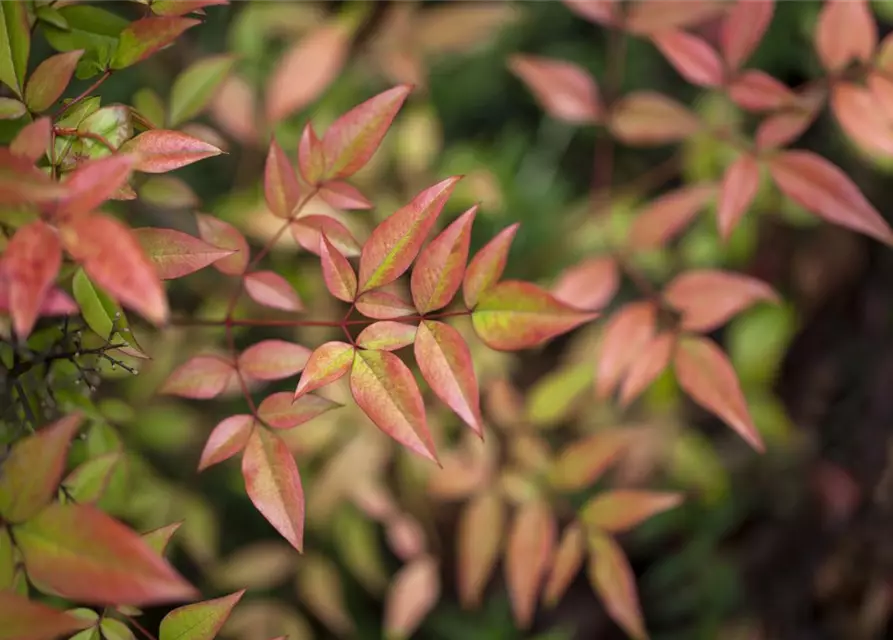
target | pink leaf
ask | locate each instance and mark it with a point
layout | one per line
(589, 285)
(327, 363)
(740, 184)
(528, 556)
(445, 363)
(650, 362)
(308, 231)
(564, 90)
(625, 335)
(487, 266)
(646, 17)
(227, 439)
(604, 12)
(269, 289)
(282, 411)
(479, 541)
(438, 271)
(49, 79)
(387, 335)
(707, 299)
(177, 254)
(223, 235)
(613, 579)
(648, 118)
(382, 305)
(783, 128)
(273, 359)
(620, 510)
(30, 264)
(311, 157)
(396, 242)
(33, 140)
(339, 276)
(665, 217)
(758, 91)
(845, 31)
(160, 150)
(24, 619)
(411, 597)
(743, 27)
(200, 377)
(342, 195)
(567, 563)
(281, 190)
(691, 56)
(862, 118)
(94, 182)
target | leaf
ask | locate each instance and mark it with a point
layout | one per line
(200, 378)
(144, 37)
(438, 271)
(478, 541)
(707, 299)
(487, 266)
(645, 17)
(528, 556)
(705, 374)
(743, 28)
(12, 109)
(94, 182)
(603, 12)
(647, 366)
(566, 565)
(234, 110)
(342, 195)
(308, 231)
(691, 56)
(274, 485)
(446, 365)
(783, 128)
(387, 335)
(33, 140)
(102, 314)
(30, 265)
(666, 216)
(311, 157)
(182, 7)
(382, 305)
(385, 389)
(620, 510)
(177, 254)
(563, 90)
(327, 363)
(581, 463)
(411, 597)
(168, 192)
(588, 285)
(648, 118)
(825, 190)
(845, 31)
(395, 243)
(200, 620)
(319, 588)
(159, 539)
(515, 315)
(612, 577)
(756, 90)
(273, 359)
(89, 481)
(269, 289)
(281, 411)
(339, 276)
(49, 79)
(15, 45)
(85, 555)
(861, 117)
(196, 86)
(350, 141)
(113, 258)
(160, 150)
(32, 471)
(625, 335)
(223, 235)
(23, 619)
(281, 189)
(740, 184)
(316, 59)
(22, 183)
(227, 439)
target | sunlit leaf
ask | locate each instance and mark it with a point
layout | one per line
(177, 254)
(327, 363)
(227, 439)
(382, 305)
(487, 265)
(198, 621)
(387, 335)
(440, 266)
(339, 276)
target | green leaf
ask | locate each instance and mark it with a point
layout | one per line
(150, 106)
(115, 630)
(15, 45)
(198, 621)
(50, 15)
(88, 482)
(70, 149)
(7, 560)
(113, 123)
(144, 37)
(11, 109)
(92, 29)
(101, 313)
(195, 87)
(160, 538)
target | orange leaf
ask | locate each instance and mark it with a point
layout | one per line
(281, 190)
(612, 577)
(740, 184)
(23, 619)
(647, 366)
(582, 462)
(438, 271)
(339, 276)
(825, 190)
(160, 150)
(668, 215)
(327, 363)
(269, 289)
(707, 299)
(743, 27)
(411, 597)
(487, 265)
(862, 118)
(281, 411)
(705, 374)
(30, 265)
(273, 359)
(200, 377)
(588, 285)
(273, 484)
(620, 510)
(568, 560)
(94, 182)
(387, 335)
(227, 439)
(626, 334)
(845, 31)
(756, 90)
(222, 234)
(564, 90)
(478, 542)
(691, 56)
(648, 118)
(528, 556)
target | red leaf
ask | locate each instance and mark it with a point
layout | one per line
(49, 79)
(30, 264)
(273, 360)
(94, 182)
(519, 315)
(581, 463)
(200, 378)
(282, 411)
(308, 231)
(22, 619)
(177, 254)
(564, 90)
(862, 118)
(845, 30)
(826, 191)
(648, 118)
(227, 439)
(528, 556)
(342, 195)
(385, 389)
(306, 70)
(602, 12)
(113, 258)
(281, 189)
(33, 140)
(33, 469)
(487, 265)
(199, 620)
(311, 157)
(396, 242)
(783, 128)
(707, 299)
(84, 555)
(387, 335)
(339, 276)
(478, 541)
(740, 184)
(691, 56)
(620, 510)
(223, 235)
(588, 285)
(411, 597)
(666, 216)
(22, 183)
(743, 28)
(646, 17)
(625, 335)
(352, 139)
(269, 289)
(160, 150)
(445, 362)
(612, 577)
(438, 271)
(141, 38)
(758, 91)
(646, 367)
(705, 374)
(567, 563)
(382, 305)
(273, 484)
(327, 363)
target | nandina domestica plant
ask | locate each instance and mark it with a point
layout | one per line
(412, 297)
